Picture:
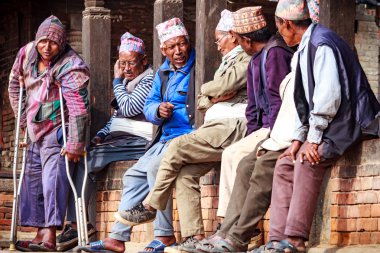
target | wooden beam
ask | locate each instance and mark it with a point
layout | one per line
(339, 16)
(96, 50)
(207, 55)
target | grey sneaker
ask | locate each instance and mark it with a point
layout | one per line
(188, 245)
(135, 216)
(68, 238)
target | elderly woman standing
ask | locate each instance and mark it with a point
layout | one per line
(42, 65)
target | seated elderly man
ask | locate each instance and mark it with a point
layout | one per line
(192, 155)
(126, 134)
(334, 114)
(168, 105)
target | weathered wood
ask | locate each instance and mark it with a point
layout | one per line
(163, 10)
(207, 55)
(96, 35)
(340, 17)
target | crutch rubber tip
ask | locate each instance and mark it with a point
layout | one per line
(12, 247)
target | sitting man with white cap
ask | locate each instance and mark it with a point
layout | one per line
(170, 105)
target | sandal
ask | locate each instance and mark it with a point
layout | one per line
(23, 246)
(277, 247)
(226, 245)
(42, 247)
(97, 246)
(207, 244)
(157, 247)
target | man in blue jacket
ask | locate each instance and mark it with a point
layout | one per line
(170, 105)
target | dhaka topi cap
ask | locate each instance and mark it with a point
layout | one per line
(313, 10)
(170, 29)
(292, 9)
(226, 22)
(52, 29)
(248, 19)
(130, 43)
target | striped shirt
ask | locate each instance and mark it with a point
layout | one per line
(130, 104)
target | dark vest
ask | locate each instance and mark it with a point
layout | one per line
(262, 96)
(359, 105)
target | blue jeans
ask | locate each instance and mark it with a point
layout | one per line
(137, 182)
(98, 158)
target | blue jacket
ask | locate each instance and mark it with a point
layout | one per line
(176, 92)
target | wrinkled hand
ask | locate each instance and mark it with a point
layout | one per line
(292, 151)
(22, 143)
(96, 140)
(117, 70)
(165, 110)
(21, 81)
(310, 150)
(72, 157)
(224, 97)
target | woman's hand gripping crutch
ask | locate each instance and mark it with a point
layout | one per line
(17, 188)
(80, 207)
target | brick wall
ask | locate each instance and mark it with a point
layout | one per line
(355, 197)
(348, 211)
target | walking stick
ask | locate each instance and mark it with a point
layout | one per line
(79, 202)
(17, 189)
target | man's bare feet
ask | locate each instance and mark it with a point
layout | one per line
(114, 245)
(167, 240)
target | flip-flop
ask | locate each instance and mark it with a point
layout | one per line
(42, 247)
(23, 246)
(97, 246)
(157, 247)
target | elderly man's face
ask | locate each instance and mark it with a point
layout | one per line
(225, 42)
(132, 64)
(245, 43)
(47, 49)
(287, 31)
(177, 50)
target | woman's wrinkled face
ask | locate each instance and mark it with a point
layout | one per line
(47, 49)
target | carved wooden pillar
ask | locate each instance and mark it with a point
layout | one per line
(96, 50)
(207, 55)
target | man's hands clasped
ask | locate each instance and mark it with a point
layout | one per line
(309, 150)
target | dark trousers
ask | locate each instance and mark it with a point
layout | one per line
(296, 187)
(250, 197)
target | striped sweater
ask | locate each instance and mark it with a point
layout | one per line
(130, 104)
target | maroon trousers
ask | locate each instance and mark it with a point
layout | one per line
(295, 191)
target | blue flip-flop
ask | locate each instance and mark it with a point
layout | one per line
(97, 246)
(157, 246)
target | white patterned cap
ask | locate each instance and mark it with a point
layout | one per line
(170, 29)
(226, 22)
